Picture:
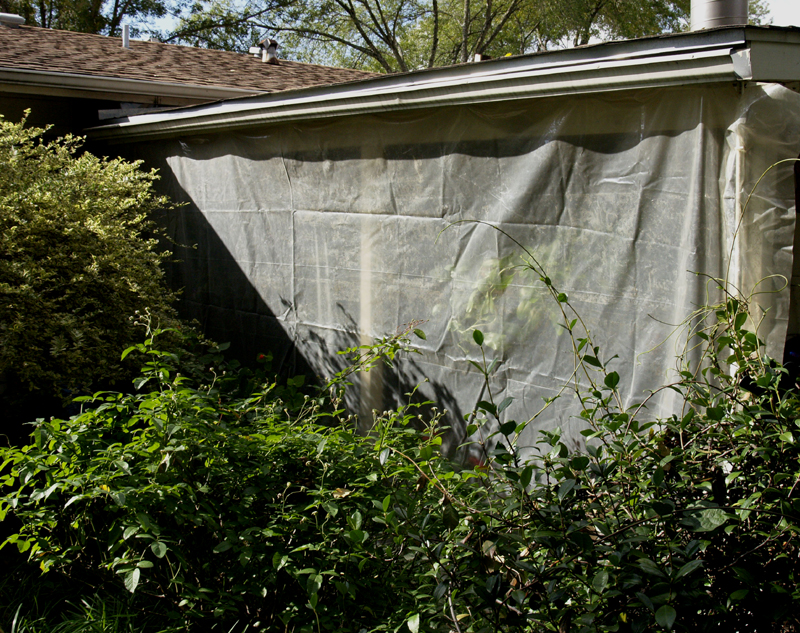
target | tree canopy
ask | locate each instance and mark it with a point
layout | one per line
(88, 16)
(401, 35)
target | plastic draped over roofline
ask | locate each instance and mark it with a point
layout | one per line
(318, 235)
(721, 55)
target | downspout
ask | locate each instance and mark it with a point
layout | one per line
(707, 14)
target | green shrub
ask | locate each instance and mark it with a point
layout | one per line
(220, 499)
(78, 258)
(226, 501)
(229, 501)
(685, 524)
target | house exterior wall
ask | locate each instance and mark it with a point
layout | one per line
(65, 115)
(312, 237)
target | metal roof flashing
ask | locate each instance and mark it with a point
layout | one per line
(725, 54)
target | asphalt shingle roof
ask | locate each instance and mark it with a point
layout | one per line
(38, 49)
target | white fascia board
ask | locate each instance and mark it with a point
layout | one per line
(39, 81)
(575, 72)
(775, 61)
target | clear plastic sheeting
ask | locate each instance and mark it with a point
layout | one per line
(312, 237)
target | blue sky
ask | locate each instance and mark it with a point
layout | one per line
(785, 12)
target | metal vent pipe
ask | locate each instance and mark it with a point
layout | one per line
(11, 19)
(707, 14)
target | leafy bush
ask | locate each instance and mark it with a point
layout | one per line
(78, 258)
(688, 523)
(229, 498)
(224, 499)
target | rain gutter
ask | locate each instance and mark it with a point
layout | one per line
(712, 56)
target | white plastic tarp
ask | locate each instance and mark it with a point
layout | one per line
(325, 233)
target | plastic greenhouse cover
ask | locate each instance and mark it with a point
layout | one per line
(312, 237)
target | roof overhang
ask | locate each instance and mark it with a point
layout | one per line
(111, 88)
(734, 54)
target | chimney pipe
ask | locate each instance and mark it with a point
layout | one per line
(707, 14)
(126, 36)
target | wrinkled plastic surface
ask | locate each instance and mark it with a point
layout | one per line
(323, 234)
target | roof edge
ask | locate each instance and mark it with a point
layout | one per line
(38, 79)
(691, 58)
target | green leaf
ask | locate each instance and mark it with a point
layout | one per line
(420, 334)
(579, 463)
(562, 297)
(611, 380)
(159, 549)
(706, 520)
(357, 536)
(450, 517)
(564, 489)
(132, 579)
(665, 617)
(738, 595)
(650, 567)
(688, 568)
(504, 404)
(591, 360)
(525, 476)
(296, 381)
(508, 428)
(413, 623)
(477, 336)
(314, 583)
(222, 547)
(600, 581)
(144, 520)
(279, 561)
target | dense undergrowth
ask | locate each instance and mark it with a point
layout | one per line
(218, 498)
(215, 497)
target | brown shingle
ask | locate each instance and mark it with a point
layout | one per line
(33, 48)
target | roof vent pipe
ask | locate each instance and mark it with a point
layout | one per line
(266, 51)
(269, 48)
(707, 14)
(126, 36)
(11, 19)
